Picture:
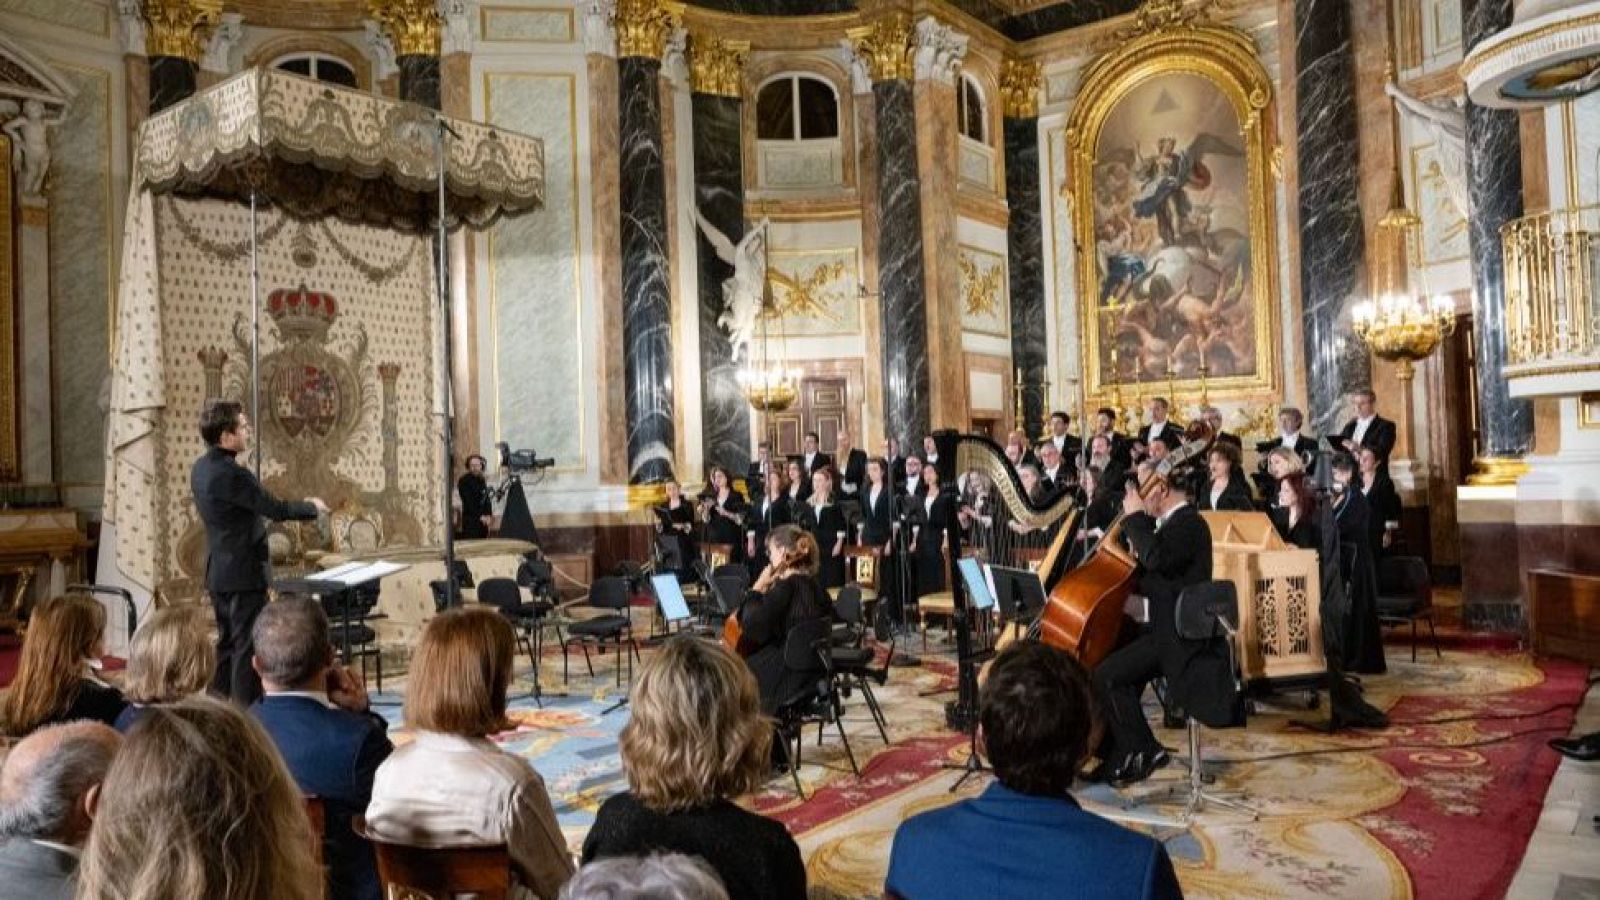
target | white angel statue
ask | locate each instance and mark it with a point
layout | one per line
(742, 294)
(1447, 123)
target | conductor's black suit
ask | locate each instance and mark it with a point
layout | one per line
(233, 506)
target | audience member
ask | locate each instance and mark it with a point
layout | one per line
(695, 740)
(1025, 836)
(47, 796)
(171, 658)
(659, 876)
(199, 804)
(452, 785)
(57, 677)
(318, 716)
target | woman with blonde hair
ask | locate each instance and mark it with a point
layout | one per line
(57, 678)
(171, 658)
(786, 594)
(694, 741)
(452, 786)
(199, 804)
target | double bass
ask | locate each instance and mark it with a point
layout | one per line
(1083, 611)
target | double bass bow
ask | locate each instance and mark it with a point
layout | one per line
(1083, 612)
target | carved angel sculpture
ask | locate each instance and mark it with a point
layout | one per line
(742, 294)
(30, 148)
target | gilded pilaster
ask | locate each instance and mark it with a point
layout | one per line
(1019, 88)
(716, 66)
(412, 25)
(643, 26)
(178, 28)
(884, 48)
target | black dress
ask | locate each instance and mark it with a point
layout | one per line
(475, 504)
(1234, 498)
(722, 530)
(754, 856)
(759, 521)
(1302, 534)
(1362, 633)
(930, 517)
(682, 514)
(94, 702)
(1383, 502)
(826, 525)
(766, 620)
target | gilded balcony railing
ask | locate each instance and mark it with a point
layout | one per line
(1552, 302)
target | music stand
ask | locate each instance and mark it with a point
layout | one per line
(977, 584)
(904, 574)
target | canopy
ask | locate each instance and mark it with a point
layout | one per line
(317, 150)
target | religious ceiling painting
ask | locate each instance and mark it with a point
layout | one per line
(815, 292)
(1170, 187)
(983, 291)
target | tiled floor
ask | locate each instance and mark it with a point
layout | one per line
(1563, 858)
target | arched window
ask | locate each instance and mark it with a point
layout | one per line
(971, 116)
(320, 66)
(797, 108)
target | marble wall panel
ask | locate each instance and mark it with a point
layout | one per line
(902, 301)
(79, 15)
(81, 267)
(419, 79)
(1025, 246)
(719, 197)
(171, 79)
(1062, 16)
(536, 290)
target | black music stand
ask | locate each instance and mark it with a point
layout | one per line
(904, 575)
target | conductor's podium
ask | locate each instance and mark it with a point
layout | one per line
(1280, 597)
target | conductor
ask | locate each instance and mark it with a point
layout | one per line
(232, 504)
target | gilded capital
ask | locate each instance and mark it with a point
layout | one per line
(178, 27)
(1019, 85)
(412, 25)
(885, 48)
(643, 26)
(716, 65)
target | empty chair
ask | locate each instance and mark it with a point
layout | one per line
(1405, 594)
(609, 593)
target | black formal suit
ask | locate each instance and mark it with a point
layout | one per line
(819, 460)
(897, 473)
(1234, 498)
(1303, 447)
(931, 520)
(1121, 450)
(764, 515)
(877, 516)
(720, 529)
(1199, 676)
(1361, 634)
(1170, 435)
(1063, 479)
(1380, 436)
(1071, 449)
(475, 504)
(233, 505)
(1384, 503)
(333, 754)
(827, 526)
(755, 480)
(853, 471)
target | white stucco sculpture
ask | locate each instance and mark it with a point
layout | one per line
(743, 293)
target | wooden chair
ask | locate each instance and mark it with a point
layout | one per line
(318, 816)
(440, 873)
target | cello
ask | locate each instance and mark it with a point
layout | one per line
(1083, 612)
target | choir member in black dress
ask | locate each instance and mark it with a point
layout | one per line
(877, 528)
(786, 594)
(931, 514)
(1224, 487)
(1363, 634)
(1029, 537)
(851, 465)
(1382, 500)
(1295, 514)
(472, 493)
(1281, 462)
(1105, 502)
(975, 509)
(770, 511)
(675, 522)
(821, 516)
(799, 481)
(723, 509)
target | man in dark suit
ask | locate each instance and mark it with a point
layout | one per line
(1105, 422)
(318, 716)
(232, 504)
(1069, 446)
(813, 458)
(1160, 429)
(755, 478)
(1213, 418)
(852, 464)
(1056, 474)
(897, 463)
(1025, 836)
(47, 790)
(912, 484)
(1173, 546)
(1368, 429)
(1289, 422)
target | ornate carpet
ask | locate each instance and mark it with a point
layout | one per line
(1440, 804)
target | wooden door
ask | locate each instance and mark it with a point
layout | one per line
(822, 408)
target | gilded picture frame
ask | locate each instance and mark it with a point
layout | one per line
(1212, 69)
(10, 401)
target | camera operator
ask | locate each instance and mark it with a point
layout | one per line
(473, 502)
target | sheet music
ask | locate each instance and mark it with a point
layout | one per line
(352, 574)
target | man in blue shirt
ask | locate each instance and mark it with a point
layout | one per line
(1025, 836)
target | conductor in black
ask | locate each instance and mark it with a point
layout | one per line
(234, 506)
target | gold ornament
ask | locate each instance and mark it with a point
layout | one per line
(886, 47)
(175, 27)
(716, 65)
(413, 25)
(1019, 85)
(643, 26)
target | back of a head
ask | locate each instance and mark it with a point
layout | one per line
(659, 876)
(292, 647)
(695, 734)
(199, 804)
(46, 777)
(460, 674)
(63, 633)
(799, 546)
(1037, 714)
(171, 657)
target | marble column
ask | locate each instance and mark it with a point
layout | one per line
(419, 79)
(642, 30)
(175, 32)
(1331, 236)
(716, 69)
(884, 48)
(1019, 88)
(1494, 186)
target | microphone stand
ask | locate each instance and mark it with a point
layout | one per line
(447, 402)
(903, 577)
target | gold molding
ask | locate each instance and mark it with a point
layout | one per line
(886, 47)
(643, 26)
(175, 27)
(413, 25)
(1224, 56)
(1019, 87)
(810, 209)
(285, 44)
(993, 296)
(1589, 411)
(644, 496)
(1477, 60)
(716, 65)
(1496, 471)
(10, 400)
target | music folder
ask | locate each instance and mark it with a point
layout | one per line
(977, 582)
(1020, 592)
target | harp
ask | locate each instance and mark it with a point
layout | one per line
(1001, 522)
